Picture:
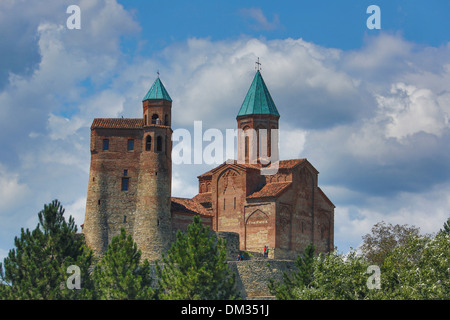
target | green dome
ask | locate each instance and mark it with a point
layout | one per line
(157, 91)
(258, 99)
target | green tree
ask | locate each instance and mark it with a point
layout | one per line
(340, 277)
(120, 275)
(418, 270)
(337, 277)
(37, 267)
(383, 239)
(195, 267)
(296, 280)
(446, 228)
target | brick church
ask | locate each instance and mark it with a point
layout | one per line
(130, 184)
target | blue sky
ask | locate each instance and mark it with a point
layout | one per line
(368, 108)
(338, 24)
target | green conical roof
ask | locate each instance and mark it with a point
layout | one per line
(157, 91)
(258, 99)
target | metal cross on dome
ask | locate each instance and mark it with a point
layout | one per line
(258, 65)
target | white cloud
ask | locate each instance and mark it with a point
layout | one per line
(184, 181)
(210, 79)
(427, 211)
(291, 142)
(46, 112)
(337, 109)
(3, 254)
(76, 209)
(62, 127)
(261, 21)
(381, 56)
(410, 110)
(12, 190)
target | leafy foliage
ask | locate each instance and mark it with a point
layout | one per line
(195, 267)
(337, 277)
(418, 270)
(383, 239)
(417, 267)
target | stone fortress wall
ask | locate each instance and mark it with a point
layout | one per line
(254, 271)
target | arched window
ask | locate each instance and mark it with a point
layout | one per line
(246, 132)
(145, 119)
(159, 143)
(148, 143)
(269, 141)
(247, 147)
(166, 120)
(259, 141)
(155, 119)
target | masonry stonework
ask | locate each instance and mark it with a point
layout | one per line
(130, 187)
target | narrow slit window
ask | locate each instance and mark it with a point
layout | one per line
(125, 184)
(148, 143)
(124, 219)
(105, 144)
(130, 144)
(159, 143)
(247, 146)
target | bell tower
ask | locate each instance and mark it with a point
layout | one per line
(257, 123)
(152, 226)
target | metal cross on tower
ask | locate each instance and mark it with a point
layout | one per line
(258, 65)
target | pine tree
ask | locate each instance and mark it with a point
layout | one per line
(120, 275)
(195, 267)
(296, 280)
(37, 267)
(446, 228)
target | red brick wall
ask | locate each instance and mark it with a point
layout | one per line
(108, 208)
(181, 220)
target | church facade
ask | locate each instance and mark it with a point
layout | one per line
(269, 204)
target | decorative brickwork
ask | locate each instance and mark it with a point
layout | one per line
(130, 187)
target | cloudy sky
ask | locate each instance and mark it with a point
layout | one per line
(368, 108)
